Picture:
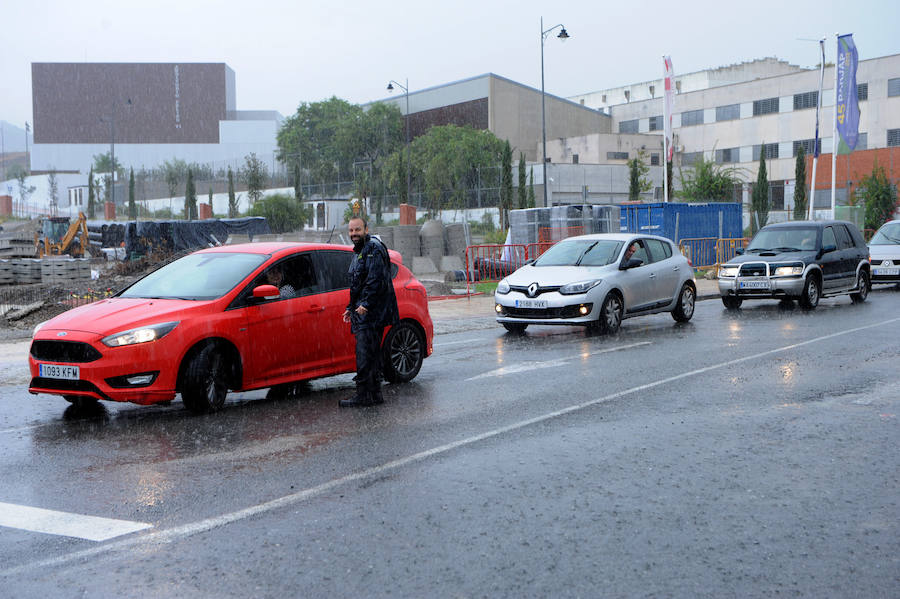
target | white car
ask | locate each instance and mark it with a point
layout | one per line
(884, 253)
(595, 281)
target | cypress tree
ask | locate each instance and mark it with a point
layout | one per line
(505, 184)
(190, 198)
(132, 210)
(91, 208)
(523, 192)
(800, 204)
(760, 200)
(232, 201)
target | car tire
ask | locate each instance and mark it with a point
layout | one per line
(862, 284)
(687, 299)
(206, 381)
(812, 291)
(402, 352)
(516, 328)
(731, 302)
(611, 310)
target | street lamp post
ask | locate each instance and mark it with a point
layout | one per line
(405, 88)
(563, 35)
(112, 151)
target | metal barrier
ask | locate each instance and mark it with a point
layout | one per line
(704, 252)
(490, 263)
(726, 249)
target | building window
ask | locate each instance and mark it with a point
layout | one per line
(728, 113)
(806, 100)
(776, 196)
(691, 158)
(652, 91)
(617, 155)
(582, 101)
(726, 155)
(893, 87)
(808, 145)
(692, 117)
(654, 159)
(656, 123)
(627, 95)
(893, 137)
(862, 142)
(574, 158)
(767, 106)
(862, 91)
(770, 149)
(628, 126)
(603, 98)
(678, 87)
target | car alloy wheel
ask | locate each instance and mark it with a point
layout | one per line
(684, 309)
(862, 286)
(610, 314)
(206, 381)
(402, 353)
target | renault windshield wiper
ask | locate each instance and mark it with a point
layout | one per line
(585, 253)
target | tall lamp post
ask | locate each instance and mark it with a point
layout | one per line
(112, 151)
(405, 88)
(563, 35)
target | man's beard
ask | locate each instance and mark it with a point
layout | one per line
(359, 243)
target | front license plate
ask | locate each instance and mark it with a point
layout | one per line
(57, 371)
(754, 284)
(886, 272)
(531, 303)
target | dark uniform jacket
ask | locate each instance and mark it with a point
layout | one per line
(371, 286)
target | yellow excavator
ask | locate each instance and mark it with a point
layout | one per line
(58, 236)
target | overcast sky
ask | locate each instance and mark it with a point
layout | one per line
(285, 52)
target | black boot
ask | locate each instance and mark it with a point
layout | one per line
(377, 397)
(360, 399)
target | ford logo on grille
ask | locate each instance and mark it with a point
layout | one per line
(61, 334)
(533, 289)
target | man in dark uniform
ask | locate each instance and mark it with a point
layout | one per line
(373, 306)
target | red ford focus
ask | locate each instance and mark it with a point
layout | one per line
(237, 317)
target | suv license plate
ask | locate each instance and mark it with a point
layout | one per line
(886, 272)
(754, 284)
(57, 371)
(531, 303)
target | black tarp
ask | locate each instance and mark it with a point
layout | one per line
(178, 235)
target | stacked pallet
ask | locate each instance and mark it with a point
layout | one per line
(65, 270)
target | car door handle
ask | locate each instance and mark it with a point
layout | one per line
(316, 308)
(674, 268)
(652, 275)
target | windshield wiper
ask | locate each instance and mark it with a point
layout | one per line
(787, 249)
(585, 252)
(894, 239)
(758, 250)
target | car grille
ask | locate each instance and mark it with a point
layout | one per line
(564, 312)
(539, 291)
(753, 270)
(64, 385)
(64, 351)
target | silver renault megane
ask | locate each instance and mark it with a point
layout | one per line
(597, 281)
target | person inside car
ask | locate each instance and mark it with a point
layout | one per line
(275, 277)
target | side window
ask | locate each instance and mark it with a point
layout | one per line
(333, 268)
(843, 237)
(641, 253)
(300, 274)
(828, 237)
(659, 250)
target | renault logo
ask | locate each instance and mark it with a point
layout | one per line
(533, 289)
(887, 263)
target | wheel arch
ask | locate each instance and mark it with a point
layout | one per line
(230, 350)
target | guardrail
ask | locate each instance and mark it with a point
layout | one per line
(490, 263)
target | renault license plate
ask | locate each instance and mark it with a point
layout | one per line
(59, 371)
(754, 284)
(531, 303)
(886, 272)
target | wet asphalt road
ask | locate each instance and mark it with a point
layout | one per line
(749, 454)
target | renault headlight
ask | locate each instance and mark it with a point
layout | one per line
(579, 287)
(729, 271)
(786, 271)
(140, 335)
(503, 287)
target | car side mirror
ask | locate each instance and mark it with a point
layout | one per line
(828, 248)
(529, 262)
(631, 263)
(739, 251)
(265, 292)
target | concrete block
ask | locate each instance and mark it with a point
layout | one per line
(451, 263)
(423, 265)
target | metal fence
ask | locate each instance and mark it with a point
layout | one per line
(490, 263)
(18, 297)
(703, 252)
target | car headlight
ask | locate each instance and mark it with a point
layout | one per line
(503, 287)
(140, 334)
(729, 271)
(784, 271)
(579, 287)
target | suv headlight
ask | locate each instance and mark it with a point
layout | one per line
(786, 271)
(140, 334)
(503, 287)
(579, 287)
(729, 271)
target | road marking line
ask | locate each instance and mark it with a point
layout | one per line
(52, 522)
(526, 366)
(187, 530)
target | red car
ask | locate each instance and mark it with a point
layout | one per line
(211, 321)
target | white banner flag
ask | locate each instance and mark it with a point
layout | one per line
(668, 106)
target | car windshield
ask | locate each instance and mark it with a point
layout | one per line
(196, 277)
(784, 239)
(581, 252)
(888, 234)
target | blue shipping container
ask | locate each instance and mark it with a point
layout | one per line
(692, 221)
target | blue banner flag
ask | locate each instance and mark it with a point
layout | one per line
(846, 103)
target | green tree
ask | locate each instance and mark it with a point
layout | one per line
(523, 190)
(759, 202)
(190, 197)
(103, 164)
(282, 212)
(91, 206)
(531, 188)
(505, 184)
(211, 200)
(638, 182)
(174, 173)
(232, 201)
(255, 176)
(800, 205)
(132, 209)
(298, 187)
(670, 180)
(880, 197)
(25, 190)
(707, 181)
